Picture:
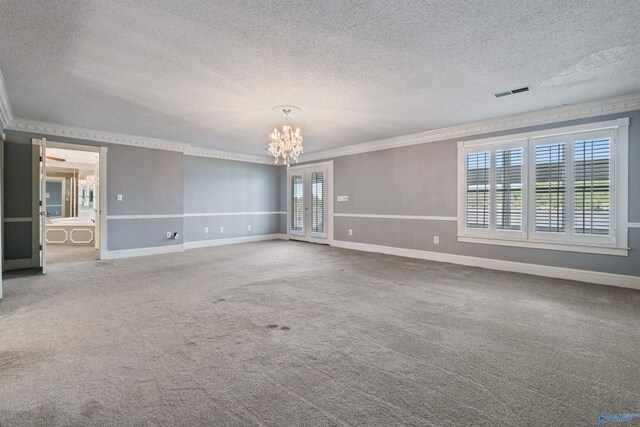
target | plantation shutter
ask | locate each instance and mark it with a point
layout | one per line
(297, 203)
(592, 186)
(508, 201)
(317, 202)
(478, 196)
(550, 187)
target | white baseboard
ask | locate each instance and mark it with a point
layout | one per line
(230, 241)
(610, 279)
(156, 250)
(129, 253)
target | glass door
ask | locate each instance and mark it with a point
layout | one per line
(43, 205)
(296, 221)
(309, 201)
(317, 204)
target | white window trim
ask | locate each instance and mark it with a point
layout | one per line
(619, 191)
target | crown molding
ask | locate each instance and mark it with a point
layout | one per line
(535, 118)
(6, 115)
(227, 155)
(540, 117)
(53, 129)
(8, 122)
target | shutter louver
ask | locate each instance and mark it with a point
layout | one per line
(592, 186)
(317, 202)
(297, 203)
(508, 204)
(550, 188)
(478, 200)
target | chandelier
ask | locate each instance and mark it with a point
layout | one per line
(88, 181)
(286, 143)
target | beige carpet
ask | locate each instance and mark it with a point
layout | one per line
(284, 333)
(67, 253)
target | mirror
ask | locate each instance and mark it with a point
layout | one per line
(71, 185)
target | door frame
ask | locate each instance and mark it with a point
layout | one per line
(329, 214)
(102, 187)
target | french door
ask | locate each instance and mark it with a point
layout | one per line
(42, 212)
(309, 213)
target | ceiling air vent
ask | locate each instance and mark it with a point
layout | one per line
(512, 92)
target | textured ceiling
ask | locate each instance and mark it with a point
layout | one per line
(208, 72)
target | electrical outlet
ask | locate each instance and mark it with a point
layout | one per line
(222, 229)
(206, 230)
(350, 232)
(436, 239)
(119, 197)
(169, 234)
(249, 227)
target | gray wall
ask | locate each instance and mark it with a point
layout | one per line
(156, 182)
(422, 180)
(223, 187)
(149, 180)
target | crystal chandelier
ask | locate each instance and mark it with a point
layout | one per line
(88, 181)
(286, 143)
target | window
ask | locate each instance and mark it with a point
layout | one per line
(508, 204)
(478, 190)
(592, 186)
(557, 189)
(550, 187)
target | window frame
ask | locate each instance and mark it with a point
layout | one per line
(616, 243)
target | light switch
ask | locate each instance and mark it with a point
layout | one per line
(119, 197)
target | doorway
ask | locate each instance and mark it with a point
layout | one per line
(309, 202)
(71, 193)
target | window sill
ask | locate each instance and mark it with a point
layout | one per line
(570, 247)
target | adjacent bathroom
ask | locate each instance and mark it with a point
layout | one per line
(71, 192)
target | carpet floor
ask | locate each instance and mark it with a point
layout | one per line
(64, 253)
(285, 333)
